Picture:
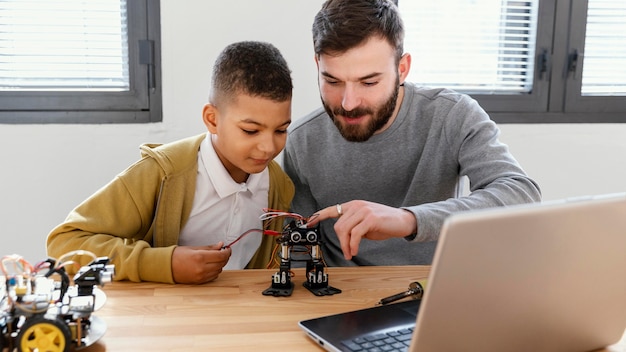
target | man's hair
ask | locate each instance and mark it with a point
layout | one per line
(252, 68)
(342, 25)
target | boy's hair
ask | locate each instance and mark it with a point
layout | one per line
(252, 68)
(341, 25)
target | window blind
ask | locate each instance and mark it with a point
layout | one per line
(485, 46)
(63, 45)
(604, 65)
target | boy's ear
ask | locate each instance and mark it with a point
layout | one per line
(209, 116)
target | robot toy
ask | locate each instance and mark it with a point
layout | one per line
(39, 313)
(296, 233)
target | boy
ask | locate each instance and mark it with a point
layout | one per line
(170, 216)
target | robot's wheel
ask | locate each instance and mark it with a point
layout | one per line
(44, 334)
(3, 340)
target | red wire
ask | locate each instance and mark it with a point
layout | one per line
(240, 237)
(266, 232)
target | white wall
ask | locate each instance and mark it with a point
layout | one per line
(49, 169)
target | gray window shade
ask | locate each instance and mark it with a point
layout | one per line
(484, 47)
(604, 71)
(63, 45)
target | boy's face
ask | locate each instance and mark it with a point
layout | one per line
(248, 132)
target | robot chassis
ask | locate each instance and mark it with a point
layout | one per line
(296, 233)
(38, 313)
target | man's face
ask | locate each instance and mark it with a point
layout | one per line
(359, 88)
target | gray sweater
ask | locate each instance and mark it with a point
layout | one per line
(438, 136)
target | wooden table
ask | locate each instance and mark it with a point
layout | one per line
(231, 314)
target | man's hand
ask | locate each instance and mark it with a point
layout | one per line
(361, 219)
(198, 265)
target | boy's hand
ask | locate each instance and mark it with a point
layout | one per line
(198, 265)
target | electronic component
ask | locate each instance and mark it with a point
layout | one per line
(38, 312)
(297, 234)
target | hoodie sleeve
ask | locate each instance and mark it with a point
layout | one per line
(116, 221)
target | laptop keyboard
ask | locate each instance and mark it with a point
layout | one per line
(392, 341)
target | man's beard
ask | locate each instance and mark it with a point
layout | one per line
(359, 133)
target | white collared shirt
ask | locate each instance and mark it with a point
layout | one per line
(223, 209)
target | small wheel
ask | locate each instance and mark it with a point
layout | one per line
(42, 334)
(3, 339)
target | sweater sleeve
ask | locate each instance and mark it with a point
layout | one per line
(495, 177)
(116, 221)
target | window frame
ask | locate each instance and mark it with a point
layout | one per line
(142, 103)
(556, 97)
(574, 101)
(537, 99)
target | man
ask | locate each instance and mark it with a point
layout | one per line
(384, 156)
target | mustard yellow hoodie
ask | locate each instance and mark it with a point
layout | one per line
(136, 218)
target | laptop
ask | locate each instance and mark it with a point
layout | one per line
(539, 277)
